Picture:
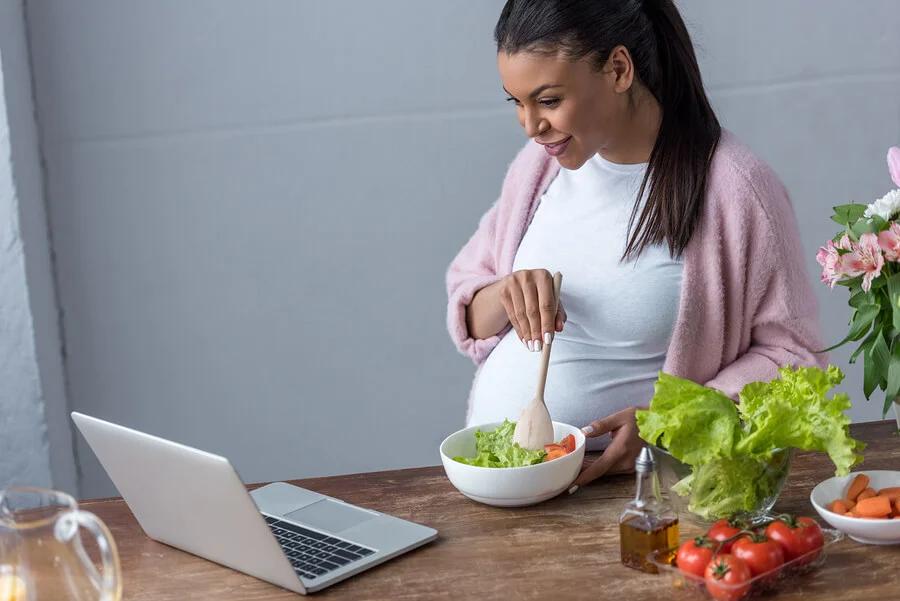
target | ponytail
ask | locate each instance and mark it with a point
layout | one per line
(688, 135)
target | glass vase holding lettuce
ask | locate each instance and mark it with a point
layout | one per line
(718, 458)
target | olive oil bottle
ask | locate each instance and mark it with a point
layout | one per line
(648, 523)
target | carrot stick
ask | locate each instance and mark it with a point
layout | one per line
(866, 494)
(874, 507)
(859, 484)
(848, 503)
(893, 492)
(837, 507)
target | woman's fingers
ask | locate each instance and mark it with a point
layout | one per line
(611, 457)
(561, 317)
(531, 293)
(619, 456)
(529, 299)
(514, 304)
(548, 307)
(601, 426)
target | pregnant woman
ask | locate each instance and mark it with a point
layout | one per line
(679, 248)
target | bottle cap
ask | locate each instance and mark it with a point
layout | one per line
(645, 461)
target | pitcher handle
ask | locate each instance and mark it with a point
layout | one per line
(109, 581)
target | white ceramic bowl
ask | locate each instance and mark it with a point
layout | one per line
(870, 532)
(510, 486)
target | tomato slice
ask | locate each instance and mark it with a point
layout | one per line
(568, 443)
(555, 454)
(553, 447)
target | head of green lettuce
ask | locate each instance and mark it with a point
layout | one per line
(497, 449)
(730, 447)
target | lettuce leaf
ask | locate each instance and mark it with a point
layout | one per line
(723, 487)
(795, 412)
(731, 448)
(497, 449)
(692, 422)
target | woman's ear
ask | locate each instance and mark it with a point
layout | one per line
(620, 65)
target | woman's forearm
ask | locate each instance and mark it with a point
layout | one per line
(485, 315)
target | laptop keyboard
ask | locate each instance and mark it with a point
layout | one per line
(314, 554)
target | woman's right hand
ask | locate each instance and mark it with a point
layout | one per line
(527, 297)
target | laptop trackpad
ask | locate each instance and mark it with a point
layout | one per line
(330, 516)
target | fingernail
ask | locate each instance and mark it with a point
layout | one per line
(587, 430)
(573, 489)
(537, 345)
(530, 346)
(547, 337)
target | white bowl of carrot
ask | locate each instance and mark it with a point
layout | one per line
(863, 505)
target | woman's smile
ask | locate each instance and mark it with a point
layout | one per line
(556, 149)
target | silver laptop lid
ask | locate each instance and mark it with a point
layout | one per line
(189, 499)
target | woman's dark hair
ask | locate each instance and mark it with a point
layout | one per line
(664, 60)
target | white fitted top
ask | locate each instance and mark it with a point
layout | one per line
(620, 315)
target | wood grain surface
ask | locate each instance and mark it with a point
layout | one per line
(565, 548)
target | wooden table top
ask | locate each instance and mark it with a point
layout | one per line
(565, 548)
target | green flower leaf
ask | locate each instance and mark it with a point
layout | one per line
(849, 213)
(893, 372)
(859, 326)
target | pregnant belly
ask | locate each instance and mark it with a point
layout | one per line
(579, 389)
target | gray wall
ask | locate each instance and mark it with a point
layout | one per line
(42, 348)
(252, 210)
(24, 448)
(253, 204)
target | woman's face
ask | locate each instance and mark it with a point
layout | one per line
(569, 107)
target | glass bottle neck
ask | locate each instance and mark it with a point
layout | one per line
(644, 490)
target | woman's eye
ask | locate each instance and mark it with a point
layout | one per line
(549, 102)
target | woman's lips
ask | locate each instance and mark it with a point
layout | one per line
(558, 148)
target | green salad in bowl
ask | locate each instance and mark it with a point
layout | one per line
(721, 458)
(495, 448)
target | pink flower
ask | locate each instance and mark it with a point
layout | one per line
(865, 259)
(831, 261)
(889, 241)
(893, 159)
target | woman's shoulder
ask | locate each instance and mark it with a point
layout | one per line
(742, 184)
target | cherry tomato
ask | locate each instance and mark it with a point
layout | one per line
(759, 553)
(727, 578)
(797, 537)
(723, 530)
(694, 555)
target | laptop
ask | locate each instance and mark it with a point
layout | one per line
(286, 535)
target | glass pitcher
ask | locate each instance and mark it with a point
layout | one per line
(41, 554)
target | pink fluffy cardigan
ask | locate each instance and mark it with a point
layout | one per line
(747, 306)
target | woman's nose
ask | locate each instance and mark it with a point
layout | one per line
(534, 125)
